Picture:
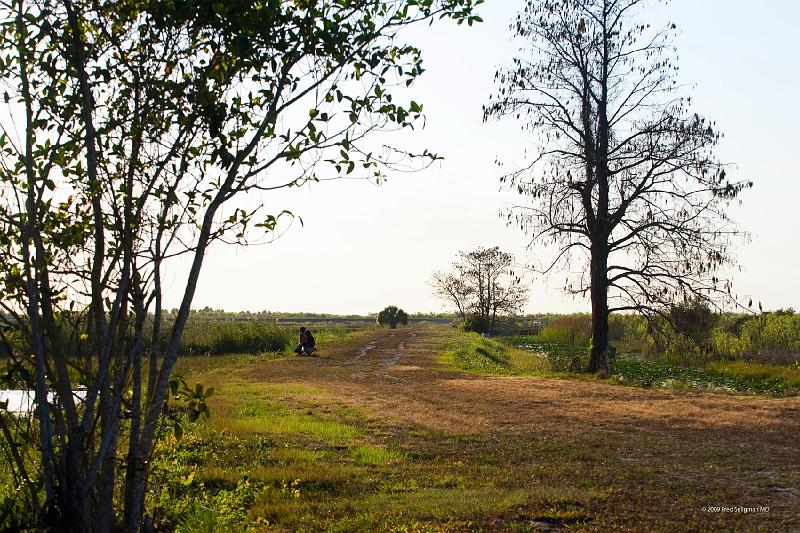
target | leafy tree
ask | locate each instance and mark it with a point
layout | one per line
(625, 181)
(693, 319)
(392, 316)
(481, 285)
(132, 129)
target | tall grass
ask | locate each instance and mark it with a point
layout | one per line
(744, 353)
(570, 330)
(576, 330)
(768, 338)
(227, 336)
(247, 337)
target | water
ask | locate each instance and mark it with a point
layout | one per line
(21, 402)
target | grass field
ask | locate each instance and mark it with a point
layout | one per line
(429, 429)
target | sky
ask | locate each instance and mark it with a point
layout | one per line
(363, 247)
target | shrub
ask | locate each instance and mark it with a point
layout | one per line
(392, 315)
(475, 323)
(694, 320)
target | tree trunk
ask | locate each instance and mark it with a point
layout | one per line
(157, 396)
(599, 294)
(600, 248)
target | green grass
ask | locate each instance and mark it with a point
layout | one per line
(628, 369)
(790, 374)
(286, 456)
(282, 421)
(472, 352)
(245, 408)
(289, 456)
(375, 455)
(443, 502)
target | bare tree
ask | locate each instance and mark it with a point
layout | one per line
(451, 288)
(625, 178)
(482, 284)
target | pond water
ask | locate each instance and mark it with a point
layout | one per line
(20, 402)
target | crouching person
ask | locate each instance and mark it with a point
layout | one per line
(307, 343)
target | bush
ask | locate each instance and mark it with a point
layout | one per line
(694, 320)
(475, 324)
(392, 315)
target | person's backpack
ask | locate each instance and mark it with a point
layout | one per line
(310, 339)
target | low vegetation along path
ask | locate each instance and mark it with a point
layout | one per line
(568, 453)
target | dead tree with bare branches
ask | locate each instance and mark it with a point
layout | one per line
(625, 178)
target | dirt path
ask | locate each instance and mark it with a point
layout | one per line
(672, 452)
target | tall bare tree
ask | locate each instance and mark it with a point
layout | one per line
(625, 177)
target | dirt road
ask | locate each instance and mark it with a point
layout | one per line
(662, 457)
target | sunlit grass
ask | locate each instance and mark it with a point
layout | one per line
(244, 408)
(472, 352)
(298, 455)
(445, 502)
(291, 423)
(788, 373)
(322, 477)
(375, 455)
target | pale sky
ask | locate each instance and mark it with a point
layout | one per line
(364, 247)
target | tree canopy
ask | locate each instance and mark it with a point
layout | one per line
(392, 315)
(132, 132)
